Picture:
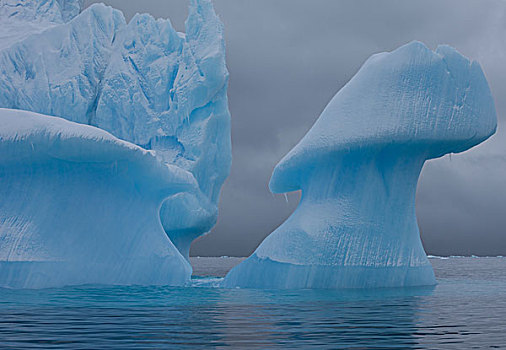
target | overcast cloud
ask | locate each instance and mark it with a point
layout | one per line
(287, 58)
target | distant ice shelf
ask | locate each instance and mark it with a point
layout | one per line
(358, 167)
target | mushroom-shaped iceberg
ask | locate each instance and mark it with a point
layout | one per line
(358, 168)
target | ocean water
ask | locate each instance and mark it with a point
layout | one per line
(466, 310)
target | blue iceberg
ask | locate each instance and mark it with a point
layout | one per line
(358, 167)
(120, 166)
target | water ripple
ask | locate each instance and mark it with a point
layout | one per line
(465, 310)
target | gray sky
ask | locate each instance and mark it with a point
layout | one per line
(287, 58)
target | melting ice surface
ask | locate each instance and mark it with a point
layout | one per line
(114, 142)
(358, 169)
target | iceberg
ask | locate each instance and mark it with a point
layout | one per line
(358, 167)
(80, 206)
(108, 98)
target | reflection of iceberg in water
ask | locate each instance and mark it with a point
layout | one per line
(465, 310)
(320, 318)
(236, 318)
(358, 167)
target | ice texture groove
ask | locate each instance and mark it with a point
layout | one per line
(145, 84)
(358, 168)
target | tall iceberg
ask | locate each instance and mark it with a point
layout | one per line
(358, 168)
(137, 166)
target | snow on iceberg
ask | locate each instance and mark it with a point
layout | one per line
(358, 168)
(142, 82)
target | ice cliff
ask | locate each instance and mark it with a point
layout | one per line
(358, 168)
(134, 95)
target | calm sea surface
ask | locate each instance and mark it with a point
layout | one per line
(466, 310)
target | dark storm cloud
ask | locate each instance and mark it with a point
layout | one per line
(287, 59)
